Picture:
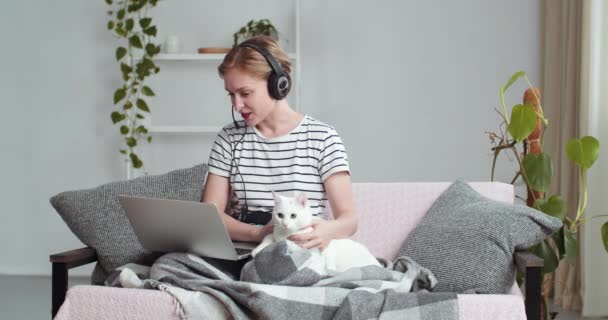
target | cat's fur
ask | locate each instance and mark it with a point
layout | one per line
(291, 215)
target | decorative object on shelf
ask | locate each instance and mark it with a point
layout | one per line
(256, 28)
(172, 44)
(526, 126)
(213, 50)
(130, 23)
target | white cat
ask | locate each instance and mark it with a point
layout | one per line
(291, 215)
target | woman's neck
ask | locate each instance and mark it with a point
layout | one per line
(280, 121)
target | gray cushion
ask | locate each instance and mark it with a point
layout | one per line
(468, 240)
(98, 220)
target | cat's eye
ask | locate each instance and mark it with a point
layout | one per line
(293, 215)
(280, 215)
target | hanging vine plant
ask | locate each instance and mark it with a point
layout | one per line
(130, 23)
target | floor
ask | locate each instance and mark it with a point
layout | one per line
(29, 297)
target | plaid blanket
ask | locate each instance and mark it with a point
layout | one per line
(285, 281)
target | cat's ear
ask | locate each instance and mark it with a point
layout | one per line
(303, 199)
(277, 197)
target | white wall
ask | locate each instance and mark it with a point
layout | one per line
(410, 85)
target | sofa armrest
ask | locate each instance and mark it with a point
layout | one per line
(526, 259)
(531, 265)
(75, 258)
(62, 262)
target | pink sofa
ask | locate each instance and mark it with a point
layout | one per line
(376, 203)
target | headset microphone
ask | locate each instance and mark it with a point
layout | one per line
(245, 207)
(236, 124)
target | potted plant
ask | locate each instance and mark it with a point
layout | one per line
(256, 28)
(130, 23)
(525, 128)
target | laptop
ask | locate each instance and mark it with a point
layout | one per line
(164, 225)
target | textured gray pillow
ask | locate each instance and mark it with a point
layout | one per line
(468, 240)
(96, 217)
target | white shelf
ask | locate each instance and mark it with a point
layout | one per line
(197, 56)
(183, 129)
(169, 60)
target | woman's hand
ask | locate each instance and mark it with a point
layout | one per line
(319, 237)
(261, 232)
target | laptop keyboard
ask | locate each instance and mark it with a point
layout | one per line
(240, 251)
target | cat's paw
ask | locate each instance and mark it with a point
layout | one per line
(128, 279)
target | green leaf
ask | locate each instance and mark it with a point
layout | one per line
(584, 151)
(514, 78)
(571, 245)
(147, 63)
(142, 105)
(120, 53)
(124, 129)
(119, 94)
(605, 235)
(131, 142)
(147, 91)
(117, 117)
(150, 31)
(545, 252)
(137, 163)
(110, 25)
(120, 14)
(139, 116)
(123, 151)
(539, 171)
(141, 130)
(129, 24)
(558, 237)
(149, 139)
(109, 2)
(144, 22)
(523, 121)
(519, 277)
(136, 5)
(125, 68)
(150, 49)
(555, 206)
(135, 42)
(128, 105)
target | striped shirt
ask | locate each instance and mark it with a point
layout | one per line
(298, 161)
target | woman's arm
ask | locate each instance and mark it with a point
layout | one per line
(217, 191)
(340, 194)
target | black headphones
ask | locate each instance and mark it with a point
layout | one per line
(279, 82)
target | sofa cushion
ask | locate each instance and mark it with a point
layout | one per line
(468, 240)
(388, 211)
(98, 220)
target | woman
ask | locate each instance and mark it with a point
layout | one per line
(274, 148)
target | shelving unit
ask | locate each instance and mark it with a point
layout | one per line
(199, 56)
(184, 129)
(164, 58)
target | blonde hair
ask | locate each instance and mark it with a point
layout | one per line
(252, 62)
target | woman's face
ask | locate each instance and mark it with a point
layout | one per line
(249, 96)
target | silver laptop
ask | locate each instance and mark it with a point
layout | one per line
(163, 225)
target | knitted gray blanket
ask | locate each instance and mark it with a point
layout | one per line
(285, 281)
